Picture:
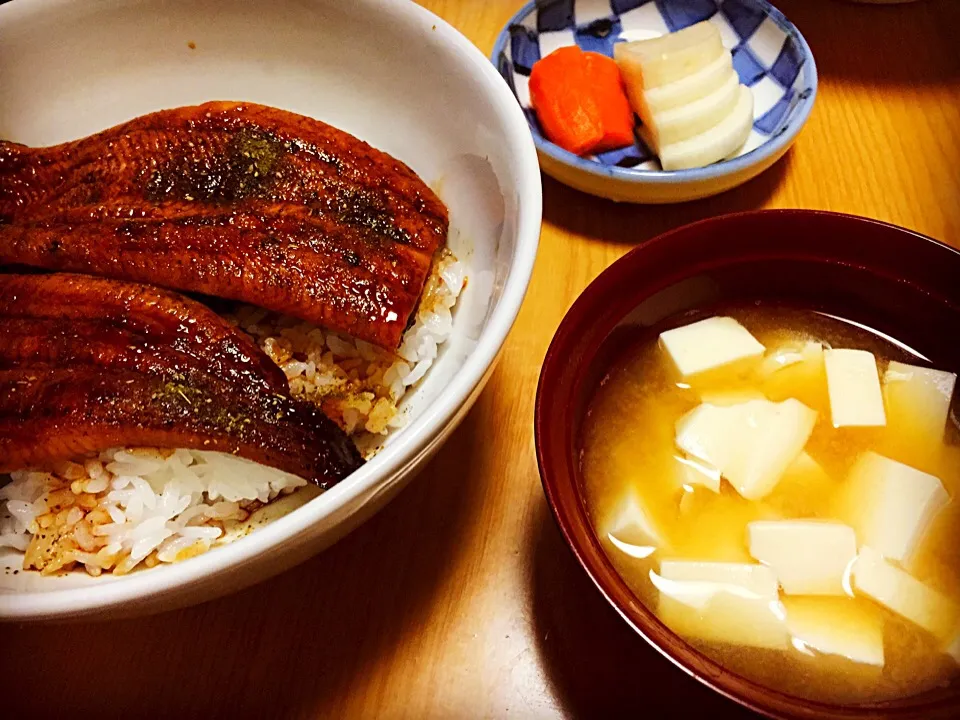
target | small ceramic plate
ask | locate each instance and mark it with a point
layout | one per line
(769, 54)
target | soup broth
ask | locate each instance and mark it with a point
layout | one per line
(652, 504)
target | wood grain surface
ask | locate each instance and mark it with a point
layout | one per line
(460, 599)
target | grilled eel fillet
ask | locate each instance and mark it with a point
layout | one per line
(49, 413)
(79, 319)
(238, 201)
(88, 363)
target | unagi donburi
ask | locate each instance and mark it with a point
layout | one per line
(202, 310)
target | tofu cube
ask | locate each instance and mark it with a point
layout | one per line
(692, 472)
(709, 344)
(752, 443)
(810, 557)
(734, 603)
(632, 527)
(903, 594)
(918, 403)
(890, 505)
(837, 626)
(854, 387)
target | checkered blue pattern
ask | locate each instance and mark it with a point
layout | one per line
(767, 52)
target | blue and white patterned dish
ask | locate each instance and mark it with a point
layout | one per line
(769, 54)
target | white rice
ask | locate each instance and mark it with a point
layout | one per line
(132, 506)
(126, 506)
(356, 383)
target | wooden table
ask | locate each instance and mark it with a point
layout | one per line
(460, 599)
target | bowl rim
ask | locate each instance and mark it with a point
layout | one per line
(773, 147)
(579, 536)
(418, 437)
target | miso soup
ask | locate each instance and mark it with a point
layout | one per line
(778, 487)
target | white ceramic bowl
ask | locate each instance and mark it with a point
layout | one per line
(388, 72)
(769, 54)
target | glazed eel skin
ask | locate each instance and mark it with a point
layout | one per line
(49, 413)
(233, 200)
(87, 364)
(67, 318)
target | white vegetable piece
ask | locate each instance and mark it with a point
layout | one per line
(683, 122)
(690, 88)
(647, 64)
(691, 471)
(632, 527)
(836, 626)
(721, 141)
(902, 593)
(752, 443)
(721, 602)
(854, 387)
(692, 107)
(810, 557)
(709, 344)
(890, 505)
(918, 401)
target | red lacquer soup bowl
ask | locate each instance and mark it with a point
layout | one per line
(891, 280)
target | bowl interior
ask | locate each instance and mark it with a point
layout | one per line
(380, 71)
(769, 55)
(888, 279)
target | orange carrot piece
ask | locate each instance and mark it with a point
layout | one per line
(561, 95)
(616, 115)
